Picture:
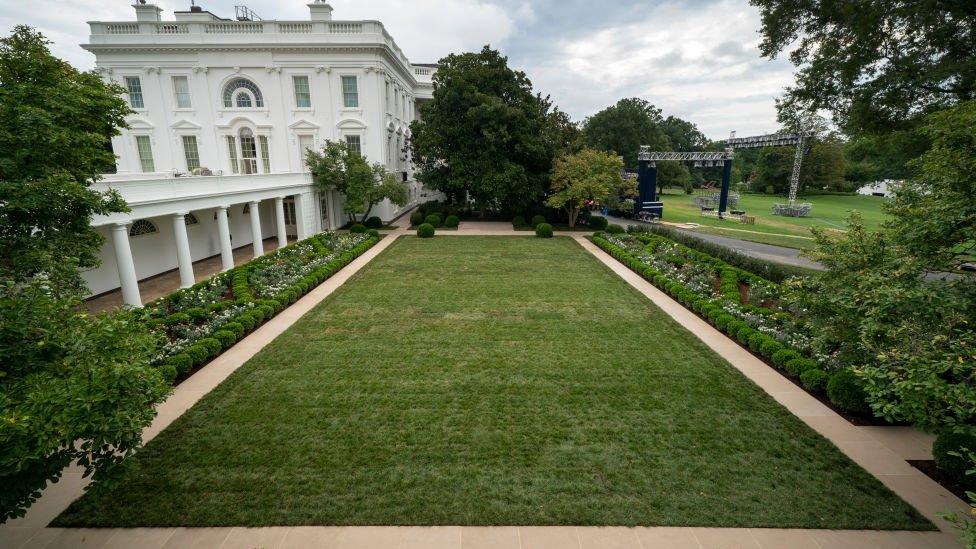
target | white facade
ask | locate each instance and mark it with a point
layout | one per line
(241, 100)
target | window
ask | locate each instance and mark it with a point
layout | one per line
(249, 152)
(181, 88)
(232, 152)
(141, 227)
(265, 154)
(354, 144)
(303, 96)
(134, 86)
(144, 147)
(191, 152)
(290, 218)
(247, 209)
(305, 144)
(236, 87)
(350, 92)
(190, 219)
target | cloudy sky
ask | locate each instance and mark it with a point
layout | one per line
(696, 59)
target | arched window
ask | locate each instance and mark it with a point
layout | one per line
(141, 227)
(243, 93)
(190, 219)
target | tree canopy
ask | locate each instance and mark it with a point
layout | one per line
(364, 185)
(587, 176)
(622, 128)
(876, 65)
(485, 134)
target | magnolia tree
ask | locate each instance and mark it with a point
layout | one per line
(589, 176)
(364, 185)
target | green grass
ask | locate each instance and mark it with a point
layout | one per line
(828, 211)
(485, 381)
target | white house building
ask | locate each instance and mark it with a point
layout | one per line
(213, 158)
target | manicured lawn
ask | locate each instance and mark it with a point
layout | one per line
(484, 381)
(794, 232)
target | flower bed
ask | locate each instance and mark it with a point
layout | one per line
(196, 324)
(748, 308)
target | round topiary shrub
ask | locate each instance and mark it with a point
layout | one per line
(373, 233)
(181, 363)
(797, 366)
(537, 219)
(235, 328)
(212, 345)
(782, 356)
(543, 230)
(814, 380)
(226, 337)
(756, 340)
(844, 389)
(168, 371)
(197, 353)
(176, 318)
(416, 218)
(425, 230)
(452, 221)
(951, 442)
(598, 222)
(433, 220)
(373, 223)
(770, 347)
(613, 228)
(518, 221)
(358, 228)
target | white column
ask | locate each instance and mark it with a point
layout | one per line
(223, 230)
(303, 202)
(183, 250)
(256, 228)
(280, 220)
(127, 269)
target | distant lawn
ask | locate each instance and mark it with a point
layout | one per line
(486, 381)
(828, 212)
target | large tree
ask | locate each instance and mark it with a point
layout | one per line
(622, 129)
(73, 388)
(822, 169)
(485, 135)
(364, 185)
(588, 176)
(879, 64)
(684, 135)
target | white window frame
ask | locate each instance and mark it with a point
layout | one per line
(152, 154)
(176, 92)
(294, 91)
(342, 91)
(264, 146)
(358, 136)
(128, 92)
(301, 152)
(182, 144)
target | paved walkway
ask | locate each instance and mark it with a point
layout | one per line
(880, 450)
(768, 252)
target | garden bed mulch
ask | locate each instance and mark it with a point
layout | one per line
(932, 471)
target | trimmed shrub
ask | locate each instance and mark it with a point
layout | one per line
(433, 220)
(543, 230)
(598, 222)
(955, 466)
(247, 320)
(425, 230)
(613, 228)
(744, 334)
(212, 345)
(797, 366)
(373, 222)
(537, 219)
(770, 347)
(452, 221)
(168, 371)
(373, 233)
(844, 389)
(197, 353)
(235, 328)
(782, 356)
(358, 228)
(722, 322)
(226, 337)
(518, 221)
(181, 363)
(416, 218)
(196, 314)
(176, 318)
(756, 340)
(814, 380)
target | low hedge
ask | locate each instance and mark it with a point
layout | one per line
(373, 222)
(543, 230)
(945, 449)
(425, 230)
(358, 228)
(433, 220)
(518, 221)
(416, 218)
(452, 221)
(613, 228)
(845, 390)
(598, 223)
(538, 219)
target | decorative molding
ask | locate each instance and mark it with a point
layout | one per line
(322, 68)
(150, 70)
(236, 70)
(199, 69)
(270, 70)
(104, 70)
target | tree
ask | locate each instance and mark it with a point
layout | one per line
(624, 127)
(485, 135)
(73, 388)
(364, 185)
(587, 176)
(876, 65)
(823, 168)
(54, 142)
(674, 174)
(684, 135)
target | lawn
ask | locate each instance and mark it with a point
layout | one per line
(794, 232)
(485, 381)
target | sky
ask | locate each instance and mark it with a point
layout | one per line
(696, 59)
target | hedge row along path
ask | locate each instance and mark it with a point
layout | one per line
(453, 536)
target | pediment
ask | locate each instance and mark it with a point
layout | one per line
(139, 123)
(351, 124)
(184, 124)
(303, 124)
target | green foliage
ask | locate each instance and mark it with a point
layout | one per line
(537, 219)
(598, 223)
(373, 222)
(225, 337)
(181, 362)
(54, 143)
(518, 221)
(452, 221)
(364, 185)
(782, 356)
(73, 387)
(373, 233)
(543, 230)
(797, 366)
(587, 176)
(358, 228)
(425, 230)
(814, 380)
(823, 168)
(622, 128)
(844, 389)
(613, 228)
(949, 452)
(433, 219)
(485, 134)
(416, 218)
(870, 77)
